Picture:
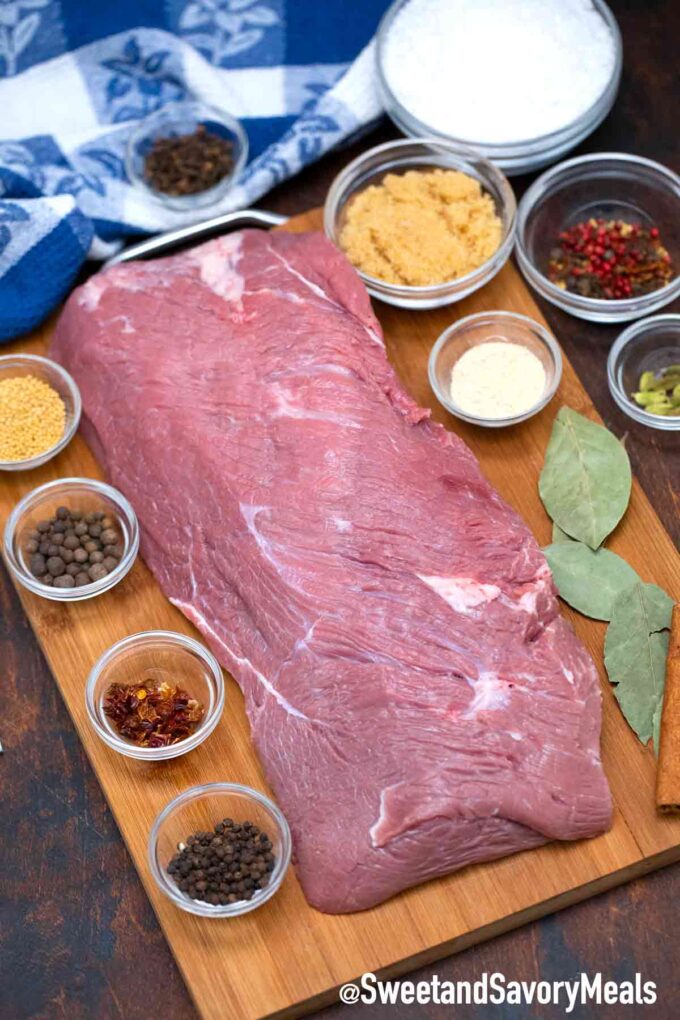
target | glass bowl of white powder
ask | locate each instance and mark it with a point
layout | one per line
(521, 81)
(495, 368)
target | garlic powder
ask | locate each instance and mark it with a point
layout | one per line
(497, 380)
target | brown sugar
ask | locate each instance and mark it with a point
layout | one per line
(420, 228)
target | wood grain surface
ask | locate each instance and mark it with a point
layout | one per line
(77, 935)
(281, 957)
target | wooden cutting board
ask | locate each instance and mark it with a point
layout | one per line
(287, 958)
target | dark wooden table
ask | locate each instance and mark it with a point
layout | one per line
(78, 938)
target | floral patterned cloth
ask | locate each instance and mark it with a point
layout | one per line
(76, 78)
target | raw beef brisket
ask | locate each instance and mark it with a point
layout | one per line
(416, 699)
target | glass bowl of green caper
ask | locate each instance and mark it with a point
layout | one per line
(643, 371)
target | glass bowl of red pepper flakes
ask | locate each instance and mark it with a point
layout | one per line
(155, 695)
(599, 236)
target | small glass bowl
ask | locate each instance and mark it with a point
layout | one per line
(414, 154)
(199, 810)
(12, 365)
(516, 157)
(174, 120)
(156, 655)
(482, 328)
(610, 185)
(86, 494)
(645, 346)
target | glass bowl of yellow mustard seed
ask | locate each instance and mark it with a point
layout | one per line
(643, 371)
(71, 539)
(40, 410)
(220, 850)
(599, 236)
(155, 695)
(423, 221)
(187, 155)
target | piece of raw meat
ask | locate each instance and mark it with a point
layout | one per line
(414, 695)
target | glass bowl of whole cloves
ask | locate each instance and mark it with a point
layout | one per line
(155, 695)
(186, 155)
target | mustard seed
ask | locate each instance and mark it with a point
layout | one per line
(32, 417)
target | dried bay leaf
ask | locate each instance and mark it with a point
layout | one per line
(589, 581)
(560, 536)
(635, 651)
(586, 478)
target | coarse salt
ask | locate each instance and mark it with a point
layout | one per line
(497, 379)
(498, 71)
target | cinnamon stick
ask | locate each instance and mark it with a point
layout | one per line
(668, 774)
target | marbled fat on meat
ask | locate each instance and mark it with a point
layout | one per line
(414, 695)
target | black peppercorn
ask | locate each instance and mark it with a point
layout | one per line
(232, 865)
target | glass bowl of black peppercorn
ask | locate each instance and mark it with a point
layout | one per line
(220, 850)
(71, 539)
(186, 155)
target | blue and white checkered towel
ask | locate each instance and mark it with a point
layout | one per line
(75, 79)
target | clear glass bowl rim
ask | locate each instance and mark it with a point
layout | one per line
(507, 149)
(123, 507)
(567, 299)
(150, 637)
(349, 173)
(632, 332)
(199, 907)
(497, 316)
(165, 113)
(22, 360)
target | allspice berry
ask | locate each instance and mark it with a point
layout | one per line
(73, 550)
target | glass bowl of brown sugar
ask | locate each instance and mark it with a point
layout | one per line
(424, 222)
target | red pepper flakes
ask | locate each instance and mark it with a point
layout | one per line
(152, 714)
(610, 259)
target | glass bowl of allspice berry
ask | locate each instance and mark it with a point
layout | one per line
(599, 236)
(186, 155)
(71, 539)
(155, 695)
